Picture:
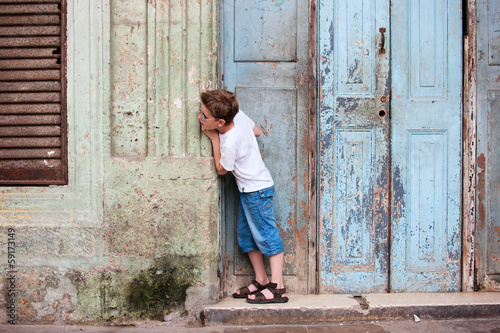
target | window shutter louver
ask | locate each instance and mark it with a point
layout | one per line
(33, 139)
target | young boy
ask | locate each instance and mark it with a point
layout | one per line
(234, 143)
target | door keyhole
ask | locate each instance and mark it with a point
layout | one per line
(382, 43)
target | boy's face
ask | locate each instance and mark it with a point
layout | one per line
(209, 122)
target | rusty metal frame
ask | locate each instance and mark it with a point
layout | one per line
(60, 175)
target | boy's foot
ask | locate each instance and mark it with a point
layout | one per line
(253, 288)
(269, 295)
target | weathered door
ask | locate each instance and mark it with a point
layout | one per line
(426, 145)
(488, 141)
(354, 145)
(390, 145)
(264, 58)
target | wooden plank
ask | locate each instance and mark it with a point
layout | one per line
(9, 9)
(23, 97)
(30, 109)
(30, 1)
(30, 164)
(29, 63)
(54, 52)
(31, 86)
(30, 142)
(34, 131)
(30, 31)
(312, 117)
(30, 41)
(30, 19)
(469, 148)
(45, 176)
(29, 153)
(30, 75)
(30, 120)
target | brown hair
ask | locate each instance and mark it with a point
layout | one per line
(221, 103)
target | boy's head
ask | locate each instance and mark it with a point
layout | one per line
(222, 104)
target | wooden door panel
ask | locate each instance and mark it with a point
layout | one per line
(265, 50)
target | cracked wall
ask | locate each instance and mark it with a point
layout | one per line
(134, 235)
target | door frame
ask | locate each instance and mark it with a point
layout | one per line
(469, 246)
(309, 77)
(469, 148)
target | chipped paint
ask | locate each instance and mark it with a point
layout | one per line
(102, 248)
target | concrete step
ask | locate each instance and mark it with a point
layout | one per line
(313, 309)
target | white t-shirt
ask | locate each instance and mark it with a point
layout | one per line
(240, 154)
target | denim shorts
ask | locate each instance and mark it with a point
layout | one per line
(256, 226)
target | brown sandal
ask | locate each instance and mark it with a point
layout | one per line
(244, 291)
(260, 298)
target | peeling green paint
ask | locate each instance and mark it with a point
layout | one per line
(135, 233)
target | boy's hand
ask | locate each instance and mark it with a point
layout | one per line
(212, 134)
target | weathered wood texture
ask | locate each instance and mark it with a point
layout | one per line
(488, 139)
(469, 151)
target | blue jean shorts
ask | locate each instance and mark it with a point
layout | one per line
(256, 226)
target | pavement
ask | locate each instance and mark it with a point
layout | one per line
(481, 325)
(477, 312)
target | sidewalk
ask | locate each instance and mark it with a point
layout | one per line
(377, 313)
(482, 325)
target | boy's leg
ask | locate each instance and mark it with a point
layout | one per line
(248, 245)
(276, 262)
(258, 267)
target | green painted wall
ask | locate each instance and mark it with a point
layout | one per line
(135, 232)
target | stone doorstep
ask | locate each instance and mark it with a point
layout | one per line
(311, 309)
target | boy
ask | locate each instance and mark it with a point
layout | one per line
(234, 143)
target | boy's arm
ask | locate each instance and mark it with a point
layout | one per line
(256, 130)
(214, 137)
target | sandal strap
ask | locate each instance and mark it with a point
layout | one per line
(245, 291)
(258, 285)
(277, 293)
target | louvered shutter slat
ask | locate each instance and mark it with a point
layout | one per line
(30, 120)
(30, 153)
(10, 9)
(31, 31)
(29, 53)
(29, 64)
(32, 165)
(32, 92)
(29, 1)
(29, 41)
(29, 109)
(30, 142)
(37, 75)
(31, 86)
(33, 131)
(30, 20)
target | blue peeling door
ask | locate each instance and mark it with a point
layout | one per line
(264, 60)
(426, 145)
(354, 145)
(390, 145)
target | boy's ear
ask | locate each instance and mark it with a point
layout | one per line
(221, 122)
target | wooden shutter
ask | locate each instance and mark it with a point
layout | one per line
(33, 92)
